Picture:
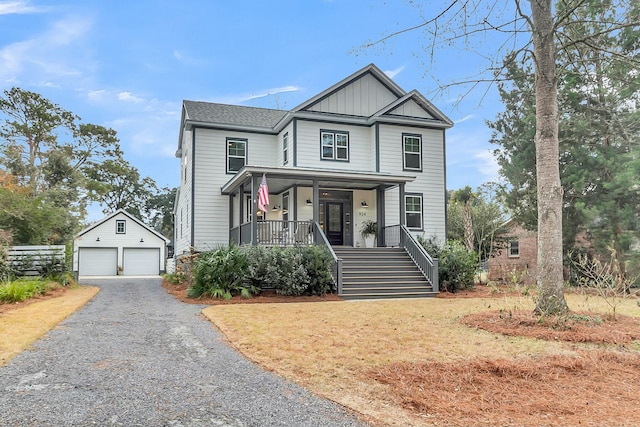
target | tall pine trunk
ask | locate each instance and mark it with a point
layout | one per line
(549, 275)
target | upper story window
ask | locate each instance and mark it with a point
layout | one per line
(514, 248)
(334, 145)
(412, 152)
(285, 148)
(236, 154)
(413, 211)
(121, 226)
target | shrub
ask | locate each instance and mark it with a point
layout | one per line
(317, 262)
(294, 279)
(456, 265)
(21, 290)
(220, 274)
(262, 269)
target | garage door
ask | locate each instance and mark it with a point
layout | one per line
(141, 262)
(97, 261)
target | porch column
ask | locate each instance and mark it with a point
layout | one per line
(402, 207)
(380, 218)
(255, 184)
(240, 211)
(316, 200)
(230, 216)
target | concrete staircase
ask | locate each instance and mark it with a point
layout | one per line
(374, 273)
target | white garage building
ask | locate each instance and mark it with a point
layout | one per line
(119, 244)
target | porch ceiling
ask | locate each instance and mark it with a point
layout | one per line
(279, 179)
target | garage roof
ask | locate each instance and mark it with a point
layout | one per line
(128, 215)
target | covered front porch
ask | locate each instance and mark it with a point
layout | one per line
(338, 202)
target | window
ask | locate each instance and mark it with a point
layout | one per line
(334, 145)
(514, 248)
(285, 148)
(412, 152)
(413, 211)
(121, 226)
(236, 154)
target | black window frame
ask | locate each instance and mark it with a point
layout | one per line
(124, 226)
(228, 142)
(285, 148)
(407, 212)
(405, 136)
(514, 244)
(334, 145)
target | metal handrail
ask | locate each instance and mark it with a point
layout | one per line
(321, 240)
(425, 262)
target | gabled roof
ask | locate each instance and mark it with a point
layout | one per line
(389, 97)
(207, 112)
(128, 215)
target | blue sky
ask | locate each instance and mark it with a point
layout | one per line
(129, 64)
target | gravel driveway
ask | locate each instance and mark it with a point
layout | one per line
(135, 356)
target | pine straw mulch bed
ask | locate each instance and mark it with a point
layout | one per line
(180, 292)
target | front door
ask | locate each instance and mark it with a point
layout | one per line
(334, 224)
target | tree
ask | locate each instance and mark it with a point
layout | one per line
(548, 33)
(599, 132)
(115, 184)
(159, 211)
(466, 197)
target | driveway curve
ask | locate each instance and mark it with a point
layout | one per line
(135, 356)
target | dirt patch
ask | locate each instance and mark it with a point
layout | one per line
(573, 327)
(591, 388)
(52, 293)
(180, 292)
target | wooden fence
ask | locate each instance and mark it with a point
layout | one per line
(34, 260)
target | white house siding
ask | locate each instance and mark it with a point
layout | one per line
(363, 97)
(182, 238)
(211, 208)
(361, 147)
(106, 233)
(279, 153)
(430, 182)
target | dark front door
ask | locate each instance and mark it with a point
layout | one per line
(334, 224)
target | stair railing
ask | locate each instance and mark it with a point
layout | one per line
(425, 262)
(321, 240)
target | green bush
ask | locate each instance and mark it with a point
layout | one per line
(317, 262)
(456, 265)
(22, 289)
(294, 279)
(220, 274)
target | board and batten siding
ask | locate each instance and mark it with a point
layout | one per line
(210, 207)
(362, 97)
(361, 146)
(430, 182)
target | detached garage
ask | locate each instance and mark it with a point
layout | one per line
(119, 244)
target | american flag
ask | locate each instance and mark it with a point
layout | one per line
(263, 194)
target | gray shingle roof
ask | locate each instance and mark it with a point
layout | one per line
(232, 114)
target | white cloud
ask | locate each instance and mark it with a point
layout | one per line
(50, 56)
(392, 73)
(18, 7)
(487, 165)
(127, 96)
(96, 95)
(273, 91)
(464, 119)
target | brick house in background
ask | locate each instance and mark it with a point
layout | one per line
(519, 258)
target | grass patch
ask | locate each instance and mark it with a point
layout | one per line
(341, 349)
(23, 325)
(23, 289)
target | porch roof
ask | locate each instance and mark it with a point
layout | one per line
(279, 179)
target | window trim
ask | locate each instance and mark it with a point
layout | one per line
(228, 156)
(285, 148)
(407, 212)
(511, 253)
(124, 226)
(405, 152)
(334, 145)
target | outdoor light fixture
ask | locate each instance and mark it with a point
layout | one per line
(98, 239)
(275, 208)
(364, 204)
(309, 202)
(141, 240)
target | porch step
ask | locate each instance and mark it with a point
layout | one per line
(374, 273)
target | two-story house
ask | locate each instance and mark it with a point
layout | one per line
(362, 150)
